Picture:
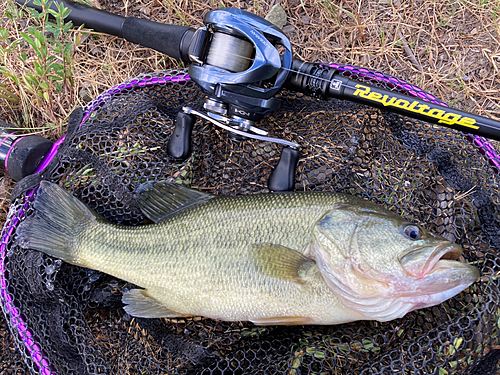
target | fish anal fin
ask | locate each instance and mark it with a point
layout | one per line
(140, 304)
(281, 321)
(282, 262)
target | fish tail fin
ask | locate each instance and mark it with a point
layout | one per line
(57, 224)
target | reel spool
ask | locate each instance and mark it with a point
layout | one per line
(230, 52)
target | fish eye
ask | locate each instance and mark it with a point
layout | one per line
(413, 232)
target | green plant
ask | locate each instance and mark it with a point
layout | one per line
(37, 61)
(336, 11)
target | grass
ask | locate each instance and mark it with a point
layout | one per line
(178, 12)
(38, 64)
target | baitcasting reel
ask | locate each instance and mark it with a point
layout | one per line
(236, 60)
(241, 61)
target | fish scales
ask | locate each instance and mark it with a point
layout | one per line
(282, 258)
(202, 260)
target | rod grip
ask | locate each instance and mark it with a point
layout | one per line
(20, 154)
(25, 155)
(172, 40)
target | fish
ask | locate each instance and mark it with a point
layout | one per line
(271, 259)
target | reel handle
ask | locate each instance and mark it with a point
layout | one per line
(179, 145)
(283, 176)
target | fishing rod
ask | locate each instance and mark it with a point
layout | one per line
(242, 61)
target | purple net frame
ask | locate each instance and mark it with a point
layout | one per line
(361, 74)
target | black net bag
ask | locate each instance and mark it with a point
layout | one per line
(62, 319)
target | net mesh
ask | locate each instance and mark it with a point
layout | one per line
(61, 319)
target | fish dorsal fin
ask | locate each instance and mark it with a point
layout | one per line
(159, 200)
(281, 262)
(138, 303)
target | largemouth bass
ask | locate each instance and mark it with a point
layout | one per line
(280, 258)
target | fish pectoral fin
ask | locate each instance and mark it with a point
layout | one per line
(282, 262)
(140, 304)
(159, 200)
(281, 321)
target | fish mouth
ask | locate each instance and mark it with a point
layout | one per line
(440, 256)
(445, 280)
(447, 269)
(424, 260)
(438, 272)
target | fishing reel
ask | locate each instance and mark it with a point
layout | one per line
(236, 60)
(241, 62)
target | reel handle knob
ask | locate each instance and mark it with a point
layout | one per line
(179, 145)
(283, 176)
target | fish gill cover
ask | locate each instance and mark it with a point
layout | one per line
(62, 319)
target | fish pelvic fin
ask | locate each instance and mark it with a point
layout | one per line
(140, 304)
(282, 262)
(56, 225)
